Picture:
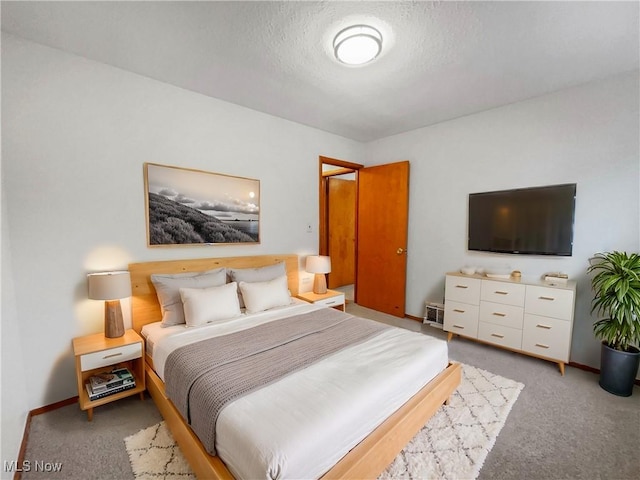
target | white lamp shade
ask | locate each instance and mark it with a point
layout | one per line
(109, 285)
(318, 264)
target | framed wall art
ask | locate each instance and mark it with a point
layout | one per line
(194, 207)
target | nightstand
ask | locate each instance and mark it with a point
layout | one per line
(331, 299)
(97, 353)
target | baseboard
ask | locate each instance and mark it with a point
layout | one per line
(27, 426)
(23, 448)
(53, 406)
(411, 317)
(594, 370)
(587, 368)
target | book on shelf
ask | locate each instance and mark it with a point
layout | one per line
(96, 396)
(106, 381)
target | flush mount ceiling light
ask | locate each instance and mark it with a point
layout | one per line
(357, 45)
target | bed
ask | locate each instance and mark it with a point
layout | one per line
(303, 402)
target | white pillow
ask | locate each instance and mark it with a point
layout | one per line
(168, 290)
(259, 274)
(259, 296)
(206, 305)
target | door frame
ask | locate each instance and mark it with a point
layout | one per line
(342, 167)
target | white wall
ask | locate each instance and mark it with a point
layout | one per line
(75, 136)
(588, 135)
(76, 133)
(13, 402)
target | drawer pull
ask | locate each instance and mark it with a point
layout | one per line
(330, 303)
(497, 335)
(500, 292)
(547, 298)
(458, 326)
(498, 314)
(546, 327)
(457, 310)
(462, 286)
(112, 355)
(541, 345)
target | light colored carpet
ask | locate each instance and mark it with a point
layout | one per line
(452, 445)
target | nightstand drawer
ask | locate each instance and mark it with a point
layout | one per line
(110, 356)
(331, 301)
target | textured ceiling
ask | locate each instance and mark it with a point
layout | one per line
(440, 60)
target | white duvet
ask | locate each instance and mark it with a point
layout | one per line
(303, 424)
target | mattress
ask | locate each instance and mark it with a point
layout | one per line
(304, 423)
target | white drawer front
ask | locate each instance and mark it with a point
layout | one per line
(461, 318)
(499, 314)
(503, 292)
(465, 290)
(110, 356)
(331, 301)
(549, 302)
(500, 335)
(547, 337)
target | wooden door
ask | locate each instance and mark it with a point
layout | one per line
(383, 214)
(341, 213)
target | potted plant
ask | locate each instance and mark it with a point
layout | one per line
(616, 286)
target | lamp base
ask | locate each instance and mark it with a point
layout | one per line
(319, 284)
(113, 321)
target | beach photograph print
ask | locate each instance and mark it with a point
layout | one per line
(193, 207)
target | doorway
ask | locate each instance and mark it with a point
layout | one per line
(379, 235)
(337, 231)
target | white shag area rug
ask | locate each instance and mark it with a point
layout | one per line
(452, 445)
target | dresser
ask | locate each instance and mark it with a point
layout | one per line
(528, 316)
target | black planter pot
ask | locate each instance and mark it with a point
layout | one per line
(618, 370)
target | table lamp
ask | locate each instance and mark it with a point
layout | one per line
(320, 265)
(111, 286)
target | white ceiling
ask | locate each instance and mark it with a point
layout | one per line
(441, 60)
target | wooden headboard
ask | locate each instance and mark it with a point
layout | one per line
(144, 301)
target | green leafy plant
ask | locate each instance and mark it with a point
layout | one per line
(616, 285)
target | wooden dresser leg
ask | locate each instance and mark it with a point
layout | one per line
(449, 336)
(561, 365)
(90, 414)
(142, 395)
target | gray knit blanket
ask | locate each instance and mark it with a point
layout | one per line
(203, 377)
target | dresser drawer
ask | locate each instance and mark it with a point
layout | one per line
(547, 337)
(110, 356)
(496, 313)
(331, 301)
(500, 335)
(502, 292)
(461, 289)
(461, 318)
(549, 302)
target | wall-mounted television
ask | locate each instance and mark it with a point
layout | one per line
(535, 221)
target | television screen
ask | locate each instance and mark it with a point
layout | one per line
(537, 221)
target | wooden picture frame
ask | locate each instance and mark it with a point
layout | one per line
(188, 207)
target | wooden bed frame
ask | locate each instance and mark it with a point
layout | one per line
(366, 460)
